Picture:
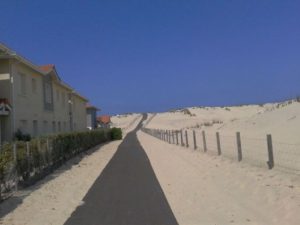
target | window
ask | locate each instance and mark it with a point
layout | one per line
(57, 95)
(22, 84)
(45, 127)
(53, 127)
(48, 93)
(35, 128)
(23, 126)
(65, 126)
(59, 126)
(63, 99)
(34, 87)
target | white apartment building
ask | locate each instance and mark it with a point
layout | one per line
(35, 100)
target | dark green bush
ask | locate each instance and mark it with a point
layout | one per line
(22, 163)
(6, 159)
(64, 146)
(20, 136)
(34, 158)
(116, 133)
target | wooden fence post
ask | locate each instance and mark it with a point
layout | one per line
(195, 141)
(218, 143)
(173, 137)
(204, 141)
(270, 152)
(28, 155)
(15, 164)
(186, 139)
(181, 137)
(166, 136)
(239, 146)
(176, 137)
(48, 147)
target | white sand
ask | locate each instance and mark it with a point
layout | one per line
(125, 121)
(254, 122)
(52, 200)
(205, 189)
(282, 120)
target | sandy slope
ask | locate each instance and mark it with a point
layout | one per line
(125, 121)
(204, 189)
(282, 120)
(254, 122)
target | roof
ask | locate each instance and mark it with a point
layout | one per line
(90, 106)
(104, 119)
(8, 53)
(43, 70)
(47, 68)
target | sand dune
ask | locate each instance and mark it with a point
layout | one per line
(254, 122)
(126, 121)
(282, 120)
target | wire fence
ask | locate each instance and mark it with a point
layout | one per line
(262, 152)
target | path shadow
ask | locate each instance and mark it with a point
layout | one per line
(11, 203)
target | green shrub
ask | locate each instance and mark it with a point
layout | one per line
(22, 166)
(19, 136)
(46, 153)
(6, 159)
(116, 133)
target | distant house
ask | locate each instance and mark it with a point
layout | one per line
(104, 121)
(91, 116)
(35, 100)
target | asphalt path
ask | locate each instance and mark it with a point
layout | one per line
(127, 192)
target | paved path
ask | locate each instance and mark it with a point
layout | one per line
(126, 193)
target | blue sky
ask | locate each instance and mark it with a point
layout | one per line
(155, 55)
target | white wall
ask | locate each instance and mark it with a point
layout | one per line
(29, 107)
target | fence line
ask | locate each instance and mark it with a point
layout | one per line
(256, 151)
(24, 163)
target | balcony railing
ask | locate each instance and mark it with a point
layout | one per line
(5, 107)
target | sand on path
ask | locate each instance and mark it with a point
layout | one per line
(52, 200)
(205, 189)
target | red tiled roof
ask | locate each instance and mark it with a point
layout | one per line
(47, 68)
(103, 119)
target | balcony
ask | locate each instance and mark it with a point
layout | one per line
(5, 107)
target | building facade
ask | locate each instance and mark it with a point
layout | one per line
(38, 101)
(91, 116)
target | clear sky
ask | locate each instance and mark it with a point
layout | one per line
(155, 55)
